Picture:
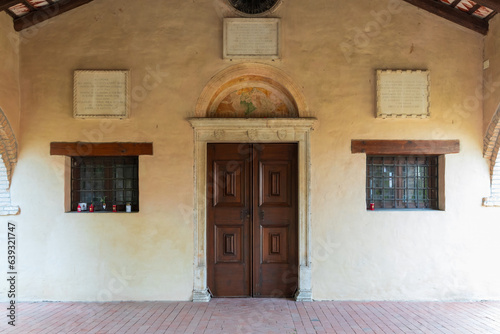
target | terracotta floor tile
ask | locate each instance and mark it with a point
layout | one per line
(246, 315)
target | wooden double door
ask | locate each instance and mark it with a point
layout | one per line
(252, 225)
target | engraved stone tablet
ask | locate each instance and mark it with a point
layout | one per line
(100, 94)
(402, 94)
(252, 38)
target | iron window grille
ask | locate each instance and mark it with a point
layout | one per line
(402, 182)
(113, 178)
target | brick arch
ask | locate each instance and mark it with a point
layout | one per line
(491, 149)
(250, 74)
(8, 152)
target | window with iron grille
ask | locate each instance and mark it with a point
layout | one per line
(112, 179)
(402, 182)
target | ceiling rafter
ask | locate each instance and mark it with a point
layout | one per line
(490, 15)
(14, 16)
(493, 4)
(5, 4)
(46, 13)
(453, 14)
(474, 8)
(473, 16)
(28, 4)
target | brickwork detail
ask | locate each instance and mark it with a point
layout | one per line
(8, 152)
(491, 143)
(491, 148)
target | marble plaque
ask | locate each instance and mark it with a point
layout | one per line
(101, 94)
(402, 94)
(252, 38)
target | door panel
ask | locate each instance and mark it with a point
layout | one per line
(252, 220)
(229, 186)
(275, 183)
(274, 244)
(228, 221)
(275, 251)
(229, 244)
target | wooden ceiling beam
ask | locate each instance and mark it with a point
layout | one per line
(474, 8)
(14, 16)
(453, 15)
(27, 4)
(490, 15)
(46, 13)
(493, 4)
(6, 4)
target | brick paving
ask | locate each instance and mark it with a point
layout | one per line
(245, 315)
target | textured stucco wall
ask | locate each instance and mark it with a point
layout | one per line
(492, 74)
(9, 71)
(441, 255)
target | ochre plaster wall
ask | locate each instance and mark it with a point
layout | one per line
(492, 74)
(439, 255)
(9, 72)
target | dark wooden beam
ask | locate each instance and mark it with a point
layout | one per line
(452, 14)
(405, 147)
(490, 15)
(5, 4)
(27, 4)
(473, 9)
(81, 149)
(11, 13)
(46, 13)
(493, 4)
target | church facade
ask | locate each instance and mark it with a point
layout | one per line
(314, 150)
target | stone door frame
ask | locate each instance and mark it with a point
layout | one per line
(233, 130)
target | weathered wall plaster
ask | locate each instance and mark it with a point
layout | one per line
(173, 49)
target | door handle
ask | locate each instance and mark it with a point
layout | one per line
(244, 214)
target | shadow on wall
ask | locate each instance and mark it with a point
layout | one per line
(8, 151)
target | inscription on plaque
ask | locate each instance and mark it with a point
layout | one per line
(102, 94)
(402, 94)
(252, 38)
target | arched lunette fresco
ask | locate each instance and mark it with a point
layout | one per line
(259, 81)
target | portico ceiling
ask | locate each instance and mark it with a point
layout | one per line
(470, 14)
(27, 13)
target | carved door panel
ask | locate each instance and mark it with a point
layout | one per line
(228, 220)
(252, 220)
(275, 237)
